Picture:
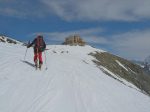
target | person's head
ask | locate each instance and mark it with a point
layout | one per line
(40, 36)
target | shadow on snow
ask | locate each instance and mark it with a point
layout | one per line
(28, 63)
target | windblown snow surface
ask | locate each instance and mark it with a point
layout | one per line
(72, 83)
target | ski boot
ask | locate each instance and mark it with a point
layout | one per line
(36, 65)
(40, 65)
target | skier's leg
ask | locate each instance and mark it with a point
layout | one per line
(40, 59)
(35, 59)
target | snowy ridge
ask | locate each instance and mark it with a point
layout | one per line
(6, 39)
(72, 83)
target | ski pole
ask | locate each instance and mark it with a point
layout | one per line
(45, 61)
(26, 51)
(25, 54)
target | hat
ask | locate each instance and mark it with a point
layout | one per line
(39, 36)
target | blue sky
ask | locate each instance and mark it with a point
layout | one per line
(121, 27)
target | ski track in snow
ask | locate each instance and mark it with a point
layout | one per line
(72, 83)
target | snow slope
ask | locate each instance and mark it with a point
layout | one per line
(72, 83)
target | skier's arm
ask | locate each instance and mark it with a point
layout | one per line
(44, 45)
(31, 43)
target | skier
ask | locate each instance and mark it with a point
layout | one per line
(39, 47)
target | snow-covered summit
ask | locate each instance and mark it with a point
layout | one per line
(72, 82)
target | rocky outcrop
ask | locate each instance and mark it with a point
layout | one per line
(74, 40)
(2, 39)
(5, 39)
(125, 69)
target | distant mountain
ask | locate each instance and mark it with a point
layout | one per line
(147, 64)
(6, 39)
(144, 64)
(140, 63)
(147, 60)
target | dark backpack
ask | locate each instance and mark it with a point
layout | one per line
(39, 43)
